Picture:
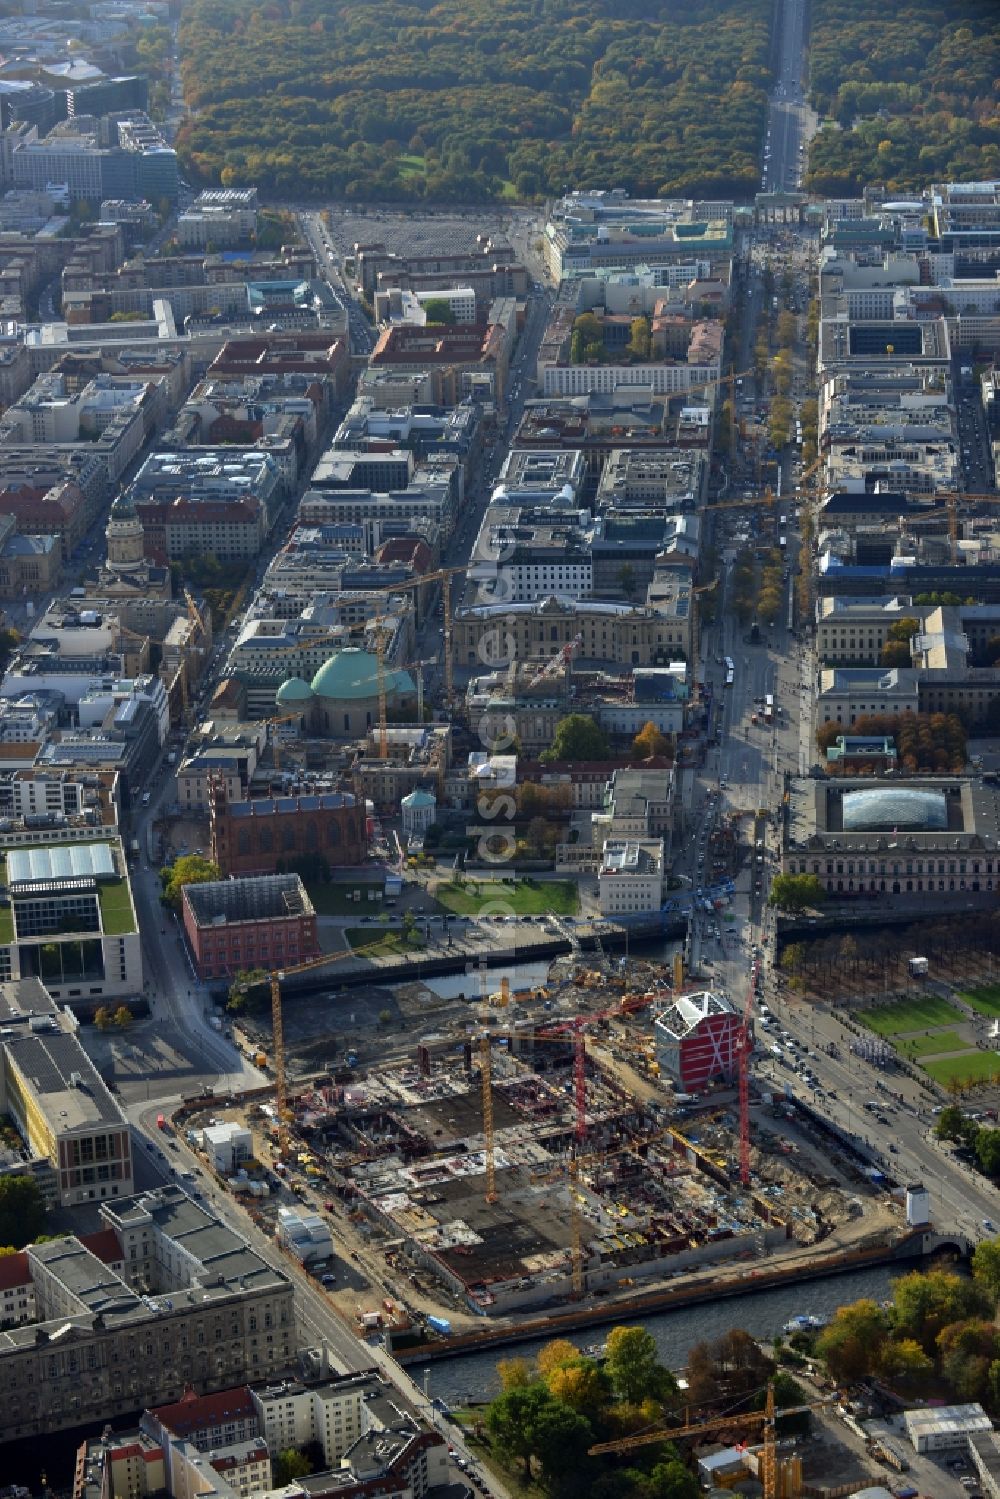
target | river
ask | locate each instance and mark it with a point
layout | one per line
(473, 1376)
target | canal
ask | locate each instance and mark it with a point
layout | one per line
(473, 1376)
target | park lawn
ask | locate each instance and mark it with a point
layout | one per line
(332, 900)
(977, 1065)
(411, 165)
(371, 942)
(985, 999)
(936, 1044)
(914, 1014)
(560, 897)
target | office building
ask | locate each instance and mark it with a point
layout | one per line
(630, 879)
(58, 1102)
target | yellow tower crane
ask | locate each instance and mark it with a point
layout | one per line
(765, 1418)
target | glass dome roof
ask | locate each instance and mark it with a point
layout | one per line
(895, 809)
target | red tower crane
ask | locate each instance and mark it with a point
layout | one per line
(744, 1048)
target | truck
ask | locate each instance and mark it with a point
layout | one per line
(161, 1123)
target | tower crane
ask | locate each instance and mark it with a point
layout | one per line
(277, 1027)
(766, 1418)
(952, 498)
(272, 724)
(443, 575)
(561, 661)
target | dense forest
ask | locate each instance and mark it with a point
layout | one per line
(471, 100)
(907, 91)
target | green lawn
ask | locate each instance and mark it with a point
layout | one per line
(375, 942)
(980, 1065)
(411, 166)
(914, 1014)
(985, 999)
(332, 900)
(116, 909)
(521, 899)
(933, 1045)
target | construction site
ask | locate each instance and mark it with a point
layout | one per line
(533, 1152)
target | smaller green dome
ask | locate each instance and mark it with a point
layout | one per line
(419, 798)
(293, 691)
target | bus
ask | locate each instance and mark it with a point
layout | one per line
(730, 671)
(769, 707)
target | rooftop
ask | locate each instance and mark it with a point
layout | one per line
(263, 898)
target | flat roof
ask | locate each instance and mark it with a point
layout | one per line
(71, 1091)
(65, 861)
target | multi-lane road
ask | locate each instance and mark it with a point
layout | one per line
(789, 115)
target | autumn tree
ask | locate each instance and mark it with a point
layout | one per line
(851, 1346)
(986, 1266)
(651, 742)
(192, 869)
(925, 1304)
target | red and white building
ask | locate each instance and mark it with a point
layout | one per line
(696, 1040)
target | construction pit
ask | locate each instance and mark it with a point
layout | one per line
(629, 1191)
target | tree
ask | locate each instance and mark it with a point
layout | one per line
(577, 737)
(626, 580)
(852, 1345)
(555, 1355)
(192, 869)
(988, 1150)
(123, 1017)
(515, 1373)
(796, 892)
(560, 1438)
(905, 1362)
(925, 1304)
(638, 346)
(578, 1385)
(511, 1420)
(437, 310)
(103, 1018)
(289, 1463)
(22, 1210)
(632, 1365)
(241, 991)
(538, 833)
(986, 1267)
(950, 1122)
(651, 742)
(895, 653)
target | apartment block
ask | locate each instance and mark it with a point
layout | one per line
(193, 1304)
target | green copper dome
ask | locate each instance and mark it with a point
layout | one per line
(352, 674)
(292, 692)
